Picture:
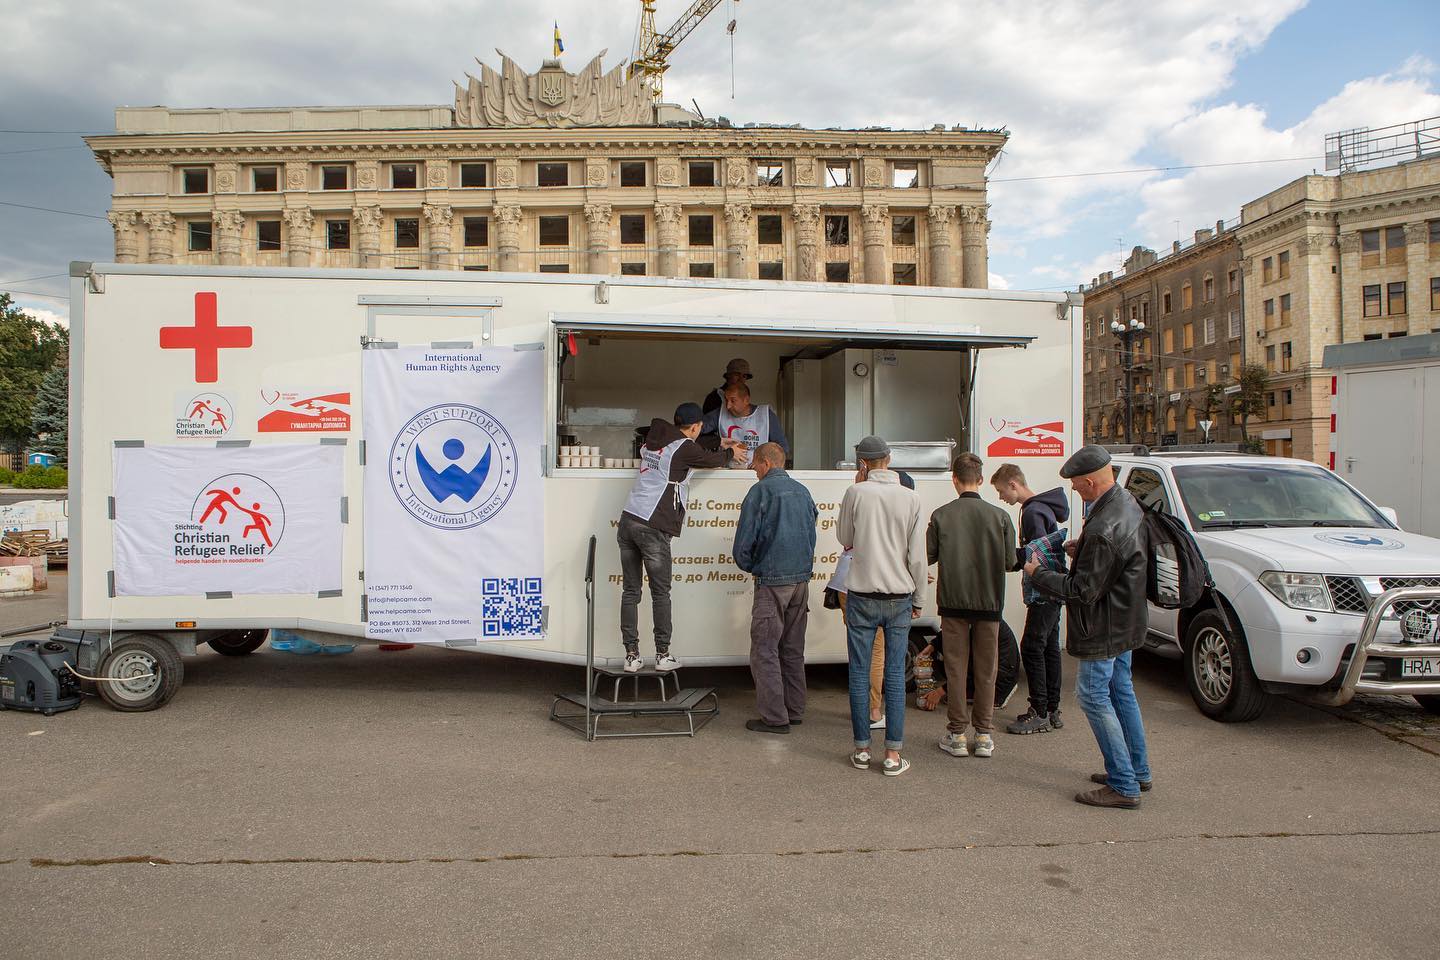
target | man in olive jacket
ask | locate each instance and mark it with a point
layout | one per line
(1104, 596)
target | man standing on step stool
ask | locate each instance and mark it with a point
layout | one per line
(653, 516)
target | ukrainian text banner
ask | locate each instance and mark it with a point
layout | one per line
(454, 510)
(248, 520)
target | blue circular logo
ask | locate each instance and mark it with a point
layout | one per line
(453, 466)
(1362, 541)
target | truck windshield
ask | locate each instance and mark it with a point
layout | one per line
(1217, 496)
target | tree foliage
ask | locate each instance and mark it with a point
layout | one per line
(1250, 401)
(50, 414)
(29, 348)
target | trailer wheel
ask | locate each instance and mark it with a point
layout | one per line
(1430, 703)
(146, 670)
(1217, 669)
(237, 643)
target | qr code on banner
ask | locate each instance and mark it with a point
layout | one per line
(511, 607)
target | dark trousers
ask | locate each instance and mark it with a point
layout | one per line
(1040, 653)
(644, 551)
(777, 650)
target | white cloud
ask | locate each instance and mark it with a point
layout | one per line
(998, 282)
(48, 316)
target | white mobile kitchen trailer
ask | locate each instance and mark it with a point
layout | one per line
(185, 359)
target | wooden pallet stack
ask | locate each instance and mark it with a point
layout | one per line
(36, 543)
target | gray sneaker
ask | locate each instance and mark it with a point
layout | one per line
(1029, 722)
(1056, 721)
(955, 745)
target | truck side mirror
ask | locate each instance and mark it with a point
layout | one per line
(1389, 514)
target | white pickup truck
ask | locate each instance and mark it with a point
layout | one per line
(1309, 571)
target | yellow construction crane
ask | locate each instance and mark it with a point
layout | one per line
(652, 50)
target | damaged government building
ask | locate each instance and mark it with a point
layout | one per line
(549, 171)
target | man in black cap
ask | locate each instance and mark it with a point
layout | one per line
(654, 515)
(1104, 595)
(736, 371)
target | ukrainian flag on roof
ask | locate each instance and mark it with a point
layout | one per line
(559, 44)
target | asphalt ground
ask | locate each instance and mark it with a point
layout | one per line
(14, 495)
(420, 804)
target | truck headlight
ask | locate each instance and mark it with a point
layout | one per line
(1303, 591)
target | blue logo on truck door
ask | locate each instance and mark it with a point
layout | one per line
(453, 466)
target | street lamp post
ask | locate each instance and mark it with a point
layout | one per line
(1127, 332)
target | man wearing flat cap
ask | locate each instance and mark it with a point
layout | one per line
(736, 371)
(1104, 596)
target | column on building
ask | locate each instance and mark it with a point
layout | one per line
(160, 224)
(507, 236)
(737, 239)
(874, 219)
(937, 223)
(974, 270)
(597, 221)
(1417, 275)
(807, 240)
(229, 234)
(440, 218)
(667, 228)
(126, 242)
(367, 235)
(299, 225)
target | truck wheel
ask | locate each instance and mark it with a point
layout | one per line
(1217, 668)
(147, 669)
(237, 643)
(1430, 703)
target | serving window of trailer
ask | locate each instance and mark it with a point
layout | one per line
(829, 387)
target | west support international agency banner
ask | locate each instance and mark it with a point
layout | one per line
(250, 520)
(454, 525)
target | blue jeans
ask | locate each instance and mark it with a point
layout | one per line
(863, 617)
(1107, 696)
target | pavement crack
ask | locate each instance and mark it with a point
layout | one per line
(46, 863)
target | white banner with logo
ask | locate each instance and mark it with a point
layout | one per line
(248, 520)
(454, 510)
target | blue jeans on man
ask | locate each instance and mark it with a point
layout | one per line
(863, 616)
(1107, 696)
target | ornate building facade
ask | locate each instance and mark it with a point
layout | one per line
(548, 172)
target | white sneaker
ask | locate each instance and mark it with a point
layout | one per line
(664, 662)
(954, 744)
(878, 724)
(633, 663)
(984, 745)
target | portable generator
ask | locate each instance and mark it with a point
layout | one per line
(37, 675)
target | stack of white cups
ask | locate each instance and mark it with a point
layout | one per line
(589, 457)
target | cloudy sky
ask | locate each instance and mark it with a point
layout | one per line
(1086, 89)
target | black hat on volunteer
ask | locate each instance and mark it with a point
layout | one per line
(1087, 459)
(872, 448)
(688, 413)
(741, 366)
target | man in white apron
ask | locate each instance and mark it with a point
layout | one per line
(742, 421)
(653, 516)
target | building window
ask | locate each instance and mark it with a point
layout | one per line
(195, 180)
(1397, 333)
(404, 176)
(552, 175)
(702, 231)
(837, 230)
(1282, 264)
(554, 232)
(1232, 284)
(768, 228)
(1169, 377)
(1372, 300)
(1087, 329)
(772, 270)
(335, 178)
(702, 173)
(769, 173)
(837, 173)
(1373, 336)
(1235, 365)
(475, 267)
(267, 235)
(1207, 288)
(473, 175)
(1210, 371)
(1103, 359)
(1269, 309)
(1435, 293)
(632, 228)
(1395, 298)
(1285, 356)
(1284, 309)
(1270, 399)
(902, 231)
(632, 269)
(1434, 235)
(1236, 327)
(407, 233)
(837, 271)
(1189, 418)
(265, 179)
(702, 269)
(1267, 269)
(554, 268)
(1394, 245)
(1188, 336)
(1168, 339)
(1187, 296)
(1208, 325)
(1189, 375)
(632, 173)
(905, 176)
(1087, 363)
(1165, 303)
(904, 275)
(337, 234)
(477, 231)
(1369, 248)
(201, 236)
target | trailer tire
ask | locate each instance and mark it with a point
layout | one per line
(1430, 703)
(237, 643)
(135, 656)
(1217, 669)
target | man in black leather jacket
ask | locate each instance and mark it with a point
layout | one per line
(1104, 596)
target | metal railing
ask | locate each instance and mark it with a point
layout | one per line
(1354, 680)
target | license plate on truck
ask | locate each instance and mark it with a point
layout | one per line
(1420, 667)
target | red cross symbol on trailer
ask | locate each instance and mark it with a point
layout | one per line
(206, 338)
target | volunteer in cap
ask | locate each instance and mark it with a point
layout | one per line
(745, 423)
(736, 371)
(653, 516)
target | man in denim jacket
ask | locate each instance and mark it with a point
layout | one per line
(775, 542)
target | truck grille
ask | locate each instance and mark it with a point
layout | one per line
(1349, 596)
